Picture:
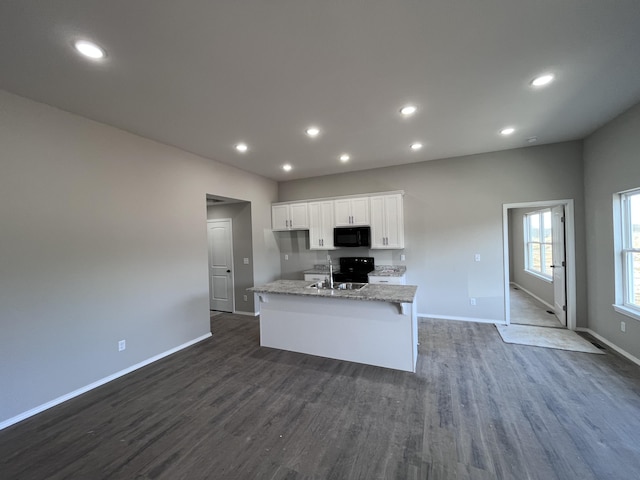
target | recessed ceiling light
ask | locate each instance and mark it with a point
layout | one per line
(345, 157)
(287, 167)
(408, 110)
(242, 147)
(416, 146)
(543, 80)
(313, 131)
(507, 131)
(89, 49)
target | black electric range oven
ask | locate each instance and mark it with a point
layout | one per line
(354, 269)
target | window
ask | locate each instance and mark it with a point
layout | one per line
(538, 254)
(628, 242)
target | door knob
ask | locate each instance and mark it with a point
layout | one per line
(228, 271)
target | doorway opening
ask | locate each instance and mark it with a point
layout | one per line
(539, 263)
(230, 255)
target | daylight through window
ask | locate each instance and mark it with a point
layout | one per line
(538, 243)
(630, 241)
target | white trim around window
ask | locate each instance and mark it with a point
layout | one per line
(626, 215)
(538, 246)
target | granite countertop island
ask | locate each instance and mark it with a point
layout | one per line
(389, 271)
(376, 325)
(371, 292)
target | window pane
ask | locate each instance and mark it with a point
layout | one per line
(634, 280)
(546, 221)
(534, 227)
(634, 206)
(535, 257)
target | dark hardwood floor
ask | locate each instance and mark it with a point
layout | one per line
(227, 409)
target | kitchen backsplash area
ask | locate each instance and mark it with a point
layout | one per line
(296, 257)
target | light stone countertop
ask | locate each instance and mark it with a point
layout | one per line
(371, 292)
(321, 269)
(389, 271)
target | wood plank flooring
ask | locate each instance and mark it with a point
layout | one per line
(228, 409)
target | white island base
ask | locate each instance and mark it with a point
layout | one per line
(372, 332)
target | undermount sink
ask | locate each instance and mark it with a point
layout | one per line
(339, 286)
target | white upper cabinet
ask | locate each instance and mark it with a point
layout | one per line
(321, 223)
(351, 211)
(290, 216)
(387, 222)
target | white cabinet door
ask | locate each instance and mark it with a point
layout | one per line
(280, 217)
(342, 209)
(387, 280)
(378, 223)
(328, 223)
(360, 211)
(289, 216)
(387, 222)
(352, 211)
(298, 216)
(321, 225)
(395, 221)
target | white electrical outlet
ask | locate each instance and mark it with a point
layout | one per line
(245, 298)
(472, 301)
(286, 257)
(477, 257)
(403, 258)
(623, 326)
(122, 344)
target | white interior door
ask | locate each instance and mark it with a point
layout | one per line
(559, 265)
(220, 265)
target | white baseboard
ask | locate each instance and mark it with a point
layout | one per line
(463, 319)
(611, 345)
(250, 314)
(98, 383)
(533, 295)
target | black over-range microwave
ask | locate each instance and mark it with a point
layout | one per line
(352, 236)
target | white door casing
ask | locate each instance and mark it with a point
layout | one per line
(559, 288)
(220, 264)
(570, 255)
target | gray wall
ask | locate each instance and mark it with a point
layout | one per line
(453, 210)
(517, 273)
(612, 164)
(240, 215)
(87, 259)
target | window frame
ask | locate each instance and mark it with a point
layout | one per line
(623, 243)
(528, 267)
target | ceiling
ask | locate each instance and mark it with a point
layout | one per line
(204, 75)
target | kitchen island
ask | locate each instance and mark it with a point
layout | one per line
(376, 325)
